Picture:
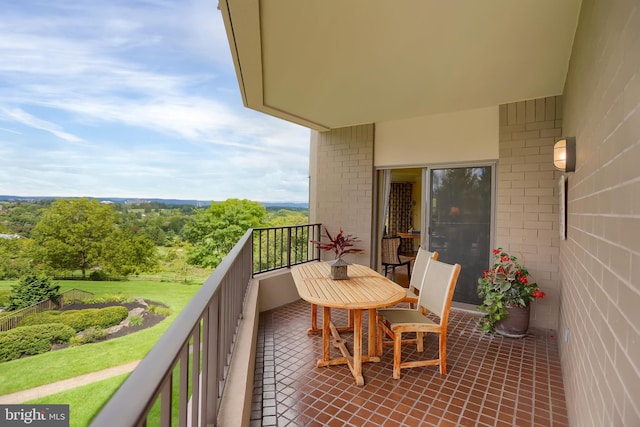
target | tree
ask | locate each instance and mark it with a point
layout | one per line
(71, 234)
(21, 217)
(32, 289)
(14, 260)
(175, 260)
(216, 230)
(123, 255)
(284, 217)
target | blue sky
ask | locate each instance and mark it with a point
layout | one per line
(134, 98)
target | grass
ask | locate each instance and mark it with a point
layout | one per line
(84, 401)
(58, 365)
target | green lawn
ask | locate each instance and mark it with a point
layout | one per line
(85, 401)
(54, 366)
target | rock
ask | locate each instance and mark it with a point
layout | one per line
(136, 312)
(114, 329)
(141, 302)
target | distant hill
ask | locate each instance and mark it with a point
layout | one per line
(285, 205)
(129, 201)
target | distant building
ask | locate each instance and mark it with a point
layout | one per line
(11, 236)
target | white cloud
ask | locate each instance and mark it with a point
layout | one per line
(28, 120)
(149, 87)
(10, 130)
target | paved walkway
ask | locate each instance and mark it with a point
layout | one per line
(57, 387)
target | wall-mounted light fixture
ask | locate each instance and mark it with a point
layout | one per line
(564, 154)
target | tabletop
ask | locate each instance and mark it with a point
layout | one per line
(365, 288)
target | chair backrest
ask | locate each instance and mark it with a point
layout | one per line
(390, 248)
(437, 288)
(420, 267)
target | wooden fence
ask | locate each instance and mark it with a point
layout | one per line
(10, 321)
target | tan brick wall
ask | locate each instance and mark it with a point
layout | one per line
(527, 197)
(600, 261)
(341, 194)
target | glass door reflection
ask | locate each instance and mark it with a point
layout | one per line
(460, 206)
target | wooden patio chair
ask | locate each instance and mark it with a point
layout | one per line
(435, 296)
(417, 275)
(391, 258)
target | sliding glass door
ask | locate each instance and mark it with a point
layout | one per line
(446, 209)
(459, 217)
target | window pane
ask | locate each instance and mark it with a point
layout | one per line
(460, 223)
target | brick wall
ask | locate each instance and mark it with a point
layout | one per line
(527, 216)
(601, 258)
(342, 161)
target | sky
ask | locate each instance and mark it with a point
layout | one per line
(134, 99)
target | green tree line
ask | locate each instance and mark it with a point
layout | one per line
(116, 240)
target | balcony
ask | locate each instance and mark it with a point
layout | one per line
(491, 381)
(239, 354)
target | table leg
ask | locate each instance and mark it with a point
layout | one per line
(326, 332)
(373, 331)
(357, 346)
(353, 362)
(314, 322)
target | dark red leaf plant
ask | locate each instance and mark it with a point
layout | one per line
(341, 244)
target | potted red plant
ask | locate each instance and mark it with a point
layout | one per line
(506, 293)
(341, 244)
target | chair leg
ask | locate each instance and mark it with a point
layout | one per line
(420, 343)
(397, 353)
(443, 352)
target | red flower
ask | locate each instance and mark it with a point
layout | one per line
(505, 259)
(486, 274)
(496, 251)
(538, 294)
(523, 279)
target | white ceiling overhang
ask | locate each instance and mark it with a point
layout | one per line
(334, 63)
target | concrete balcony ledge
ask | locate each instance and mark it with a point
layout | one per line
(266, 292)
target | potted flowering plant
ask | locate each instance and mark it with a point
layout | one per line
(341, 244)
(506, 293)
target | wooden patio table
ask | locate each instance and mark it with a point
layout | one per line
(365, 289)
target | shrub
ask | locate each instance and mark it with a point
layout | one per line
(110, 316)
(88, 336)
(98, 276)
(159, 310)
(30, 340)
(41, 318)
(136, 320)
(32, 289)
(4, 298)
(80, 320)
(119, 298)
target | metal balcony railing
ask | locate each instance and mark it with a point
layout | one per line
(181, 381)
(282, 247)
(182, 378)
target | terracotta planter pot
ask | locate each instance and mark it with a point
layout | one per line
(516, 324)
